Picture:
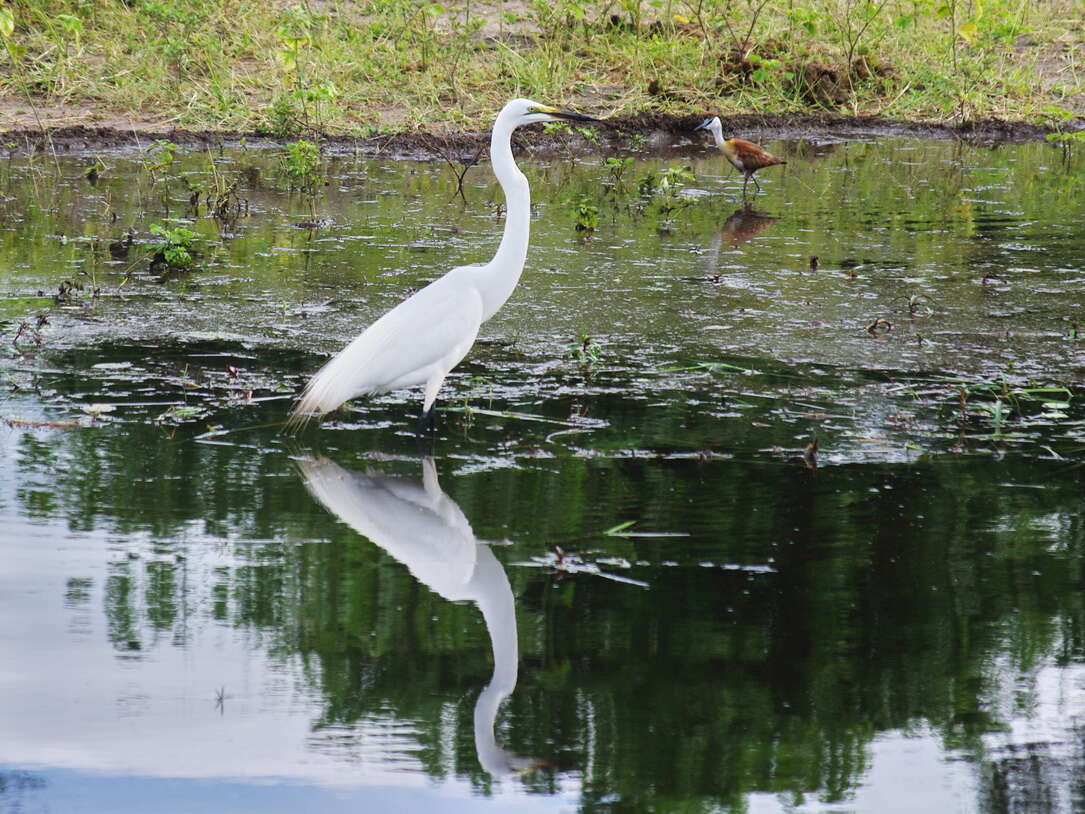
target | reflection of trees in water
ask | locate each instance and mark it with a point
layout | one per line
(1041, 771)
(886, 608)
(1034, 778)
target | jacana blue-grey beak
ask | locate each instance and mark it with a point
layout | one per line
(704, 125)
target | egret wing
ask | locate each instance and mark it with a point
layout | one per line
(434, 326)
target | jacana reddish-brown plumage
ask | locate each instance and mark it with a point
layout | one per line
(745, 156)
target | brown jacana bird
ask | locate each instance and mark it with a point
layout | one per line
(744, 156)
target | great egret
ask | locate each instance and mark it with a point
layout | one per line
(425, 336)
(423, 528)
(745, 156)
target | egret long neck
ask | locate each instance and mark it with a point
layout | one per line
(493, 593)
(503, 272)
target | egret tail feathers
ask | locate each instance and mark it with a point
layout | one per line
(328, 389)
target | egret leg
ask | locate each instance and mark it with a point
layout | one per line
(427, 421)
(425, 436)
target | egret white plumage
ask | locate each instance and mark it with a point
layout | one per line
(420, 340)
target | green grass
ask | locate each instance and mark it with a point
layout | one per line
(394, 65)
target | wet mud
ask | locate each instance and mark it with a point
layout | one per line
(647, 133)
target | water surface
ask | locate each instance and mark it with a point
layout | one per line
(618, 578)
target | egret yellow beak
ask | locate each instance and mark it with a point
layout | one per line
(563, 114)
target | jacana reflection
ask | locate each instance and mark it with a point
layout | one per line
(745, 224)
(423, 528)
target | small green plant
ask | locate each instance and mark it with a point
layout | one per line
(223, 202)
(7, 27)
(1067, 141)
(672, 179)
(584, 350)
(616, 168)
(93, 172)
(648, 183)
(164, 152)
(1060, 118)
(767, 69)
(997, 412)
(669, 186)
(306, 105)
(174, 250)
(665, 182)
(481, 388)
(301, 109)
(555, 128)
(589, 134)
(302, 165)
(920, 305)
(587, 214)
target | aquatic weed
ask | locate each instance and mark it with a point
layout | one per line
(301, 161)
(174, 250)
(587, 214)
(584, 350)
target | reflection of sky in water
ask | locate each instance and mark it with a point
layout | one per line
(123, 727)
(90, 793)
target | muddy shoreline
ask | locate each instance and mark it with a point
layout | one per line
(644, 131)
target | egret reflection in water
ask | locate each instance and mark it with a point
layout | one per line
(423, 528)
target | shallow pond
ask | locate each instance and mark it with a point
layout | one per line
(704, 526)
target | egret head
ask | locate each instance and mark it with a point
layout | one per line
(713, 125)
(525, 111)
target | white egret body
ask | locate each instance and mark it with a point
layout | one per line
(423, 528)
(420, 340)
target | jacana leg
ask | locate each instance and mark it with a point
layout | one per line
(755, 183)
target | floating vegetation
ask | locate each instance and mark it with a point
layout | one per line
(587, 214)
(584, 350)
(560, 562)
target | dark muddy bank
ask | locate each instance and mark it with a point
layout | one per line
(644, 132)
